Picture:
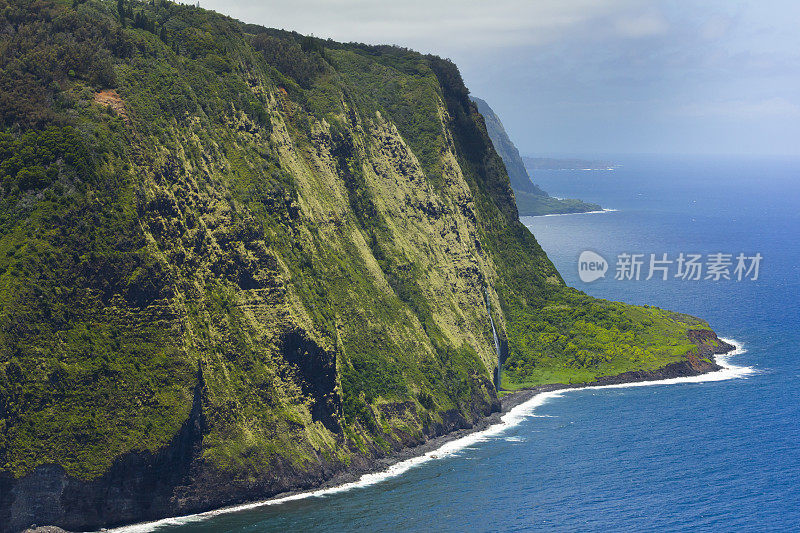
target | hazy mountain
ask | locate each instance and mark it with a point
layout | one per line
(530, 199)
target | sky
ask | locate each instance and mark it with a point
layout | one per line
(594, 77)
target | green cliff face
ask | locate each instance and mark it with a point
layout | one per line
(280, 245)
(530, 199)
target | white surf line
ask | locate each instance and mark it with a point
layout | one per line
(512, 418)
(568, 214)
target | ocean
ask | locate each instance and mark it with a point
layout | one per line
(715, 453)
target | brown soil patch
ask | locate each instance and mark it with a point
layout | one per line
(110, 98)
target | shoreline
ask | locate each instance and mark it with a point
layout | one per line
(515, 407)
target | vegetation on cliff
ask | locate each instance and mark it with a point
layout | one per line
(293, 236)
(591, 339)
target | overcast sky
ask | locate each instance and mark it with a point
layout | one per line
(594, 76)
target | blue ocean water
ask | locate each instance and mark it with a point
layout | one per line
(713, 456)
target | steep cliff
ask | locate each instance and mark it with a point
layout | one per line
(235, 261)
(530, 199)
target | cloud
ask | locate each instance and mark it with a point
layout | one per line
(641, 25)
(560, 71)
(448, 24)
(744, 109)
(716, 27)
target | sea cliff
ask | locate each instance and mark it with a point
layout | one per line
(530, 198)
(237, 261)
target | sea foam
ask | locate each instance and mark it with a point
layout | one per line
(510, 419)
(581, 213)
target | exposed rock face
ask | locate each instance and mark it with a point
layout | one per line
(708, 343)
(136, 487)
(315, 371)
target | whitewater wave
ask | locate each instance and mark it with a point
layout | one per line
(568, 214)
(451, 448)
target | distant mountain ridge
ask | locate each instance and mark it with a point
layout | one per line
(531, 199)
(520, 181)
(553, 163)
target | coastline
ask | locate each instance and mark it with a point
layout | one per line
(577, 213)
(515, 407)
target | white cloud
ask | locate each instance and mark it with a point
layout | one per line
(716, 27)
(555, 69)
(448, 24)
(744, 109)
(641, 25)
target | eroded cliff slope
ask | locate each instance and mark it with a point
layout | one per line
(236, 261)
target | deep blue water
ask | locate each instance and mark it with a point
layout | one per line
(704, 456)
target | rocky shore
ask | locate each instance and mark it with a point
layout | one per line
(695, 364)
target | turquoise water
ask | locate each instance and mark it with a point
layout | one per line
(710, 456)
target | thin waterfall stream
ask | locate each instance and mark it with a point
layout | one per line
(496, 343)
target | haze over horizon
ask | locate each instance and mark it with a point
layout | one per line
(594, 76)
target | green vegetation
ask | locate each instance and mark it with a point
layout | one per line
(297, 234)
(537, 205)
(581, 339)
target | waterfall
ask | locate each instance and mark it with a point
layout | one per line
(496, 343)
